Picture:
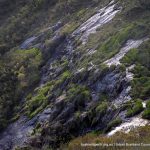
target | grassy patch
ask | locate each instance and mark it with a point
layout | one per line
(142, 136)
(37, 103)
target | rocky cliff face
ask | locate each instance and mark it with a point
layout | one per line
(80, 74)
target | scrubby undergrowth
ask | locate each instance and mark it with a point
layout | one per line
(74, 83)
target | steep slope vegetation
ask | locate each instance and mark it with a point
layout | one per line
(71, 67)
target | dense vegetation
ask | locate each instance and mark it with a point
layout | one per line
(74, 79)
(135, 108)
(8, 97)
(140, 57)
(146, 113)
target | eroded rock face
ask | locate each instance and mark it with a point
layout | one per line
(104, 16)
(60, 121)
(18, 133)
(37, 41)
(63, 121)
(62, 116)
(65, 118)
(111, 83)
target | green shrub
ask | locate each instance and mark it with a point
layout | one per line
(62, 78)
(102, 108)
(141, 82)
(79, 95)
(146, 113)
(148, 104)
(130, 57)
(113, 124)
(141, 71)
(139, 56)
(135, 109)
(141, 87)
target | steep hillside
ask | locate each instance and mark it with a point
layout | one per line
(69, 68)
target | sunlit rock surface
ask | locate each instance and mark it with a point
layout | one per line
(103, 16)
